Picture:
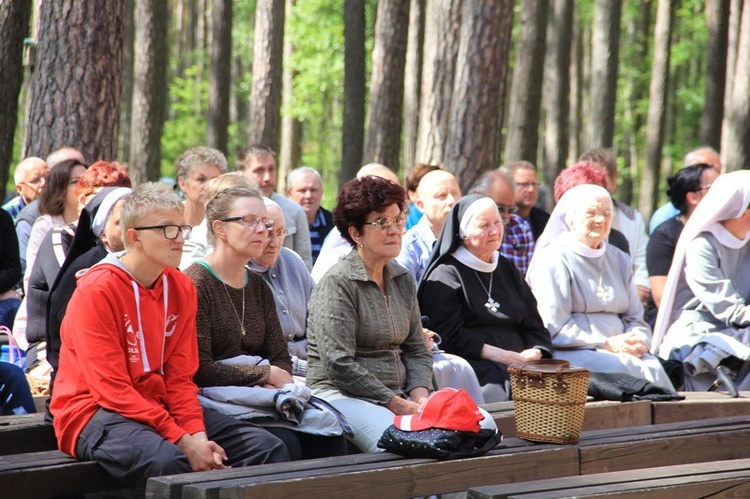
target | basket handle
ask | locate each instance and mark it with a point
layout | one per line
(12, 345)
(561, 364)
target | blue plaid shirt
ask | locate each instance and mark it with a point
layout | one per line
(14, 206)
(518, 243)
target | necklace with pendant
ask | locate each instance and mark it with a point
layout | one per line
(604, 293)
(491, 304)
(241, 321)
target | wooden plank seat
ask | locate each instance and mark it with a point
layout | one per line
(598, 451)
(52, 474)
(25, 433)
(684, 480)
(389, 476)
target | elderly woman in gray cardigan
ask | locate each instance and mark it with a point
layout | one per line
(367, 355)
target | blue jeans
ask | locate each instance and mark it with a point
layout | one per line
(15, 394)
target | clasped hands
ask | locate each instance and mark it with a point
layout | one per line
(631, 343)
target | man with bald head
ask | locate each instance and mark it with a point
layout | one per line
(701, 156)
(30, 176)
(518, 238)
(437, 192)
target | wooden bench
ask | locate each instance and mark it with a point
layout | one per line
(383, 475)
(598, 451)
(52, 474)
(731, 478)
(24, 435)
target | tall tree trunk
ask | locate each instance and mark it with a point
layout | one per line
(717, 19)
(220, 79)
(576, 92)
(353, 126)
(526, 88)
(733, 37)
(200, 54)
(736, 148)
(290, 125)
(126, 98)
(657, 107)
(14, 26)
(556, 94)
(605, 46)
(149, 89)
(80, 43)
(413, 81)
(638, 34)
(383, 136)
(441, 40)
(476, 116)
(268, 60)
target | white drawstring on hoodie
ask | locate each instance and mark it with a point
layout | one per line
(142, 336)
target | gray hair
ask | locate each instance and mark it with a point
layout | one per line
(298, 172)
(196, 156)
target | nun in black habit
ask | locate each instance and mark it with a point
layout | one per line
(478, 301)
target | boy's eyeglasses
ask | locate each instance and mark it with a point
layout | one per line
(171, 231)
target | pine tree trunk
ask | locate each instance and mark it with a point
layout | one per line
(576, 93)
(80, 43)
(638, 34)
(657, 107)
(353, 127)
(219, 84)
(717, 19)
(289, 156)
(441, 40)
(557, 88)
(413, 81)
(126, 98)
(733, 36)
(526, 88)
(476, 116)
(149, 89)
(14, 25)
(383, 136)
(268, 54)
(605, 41)
(736, 147)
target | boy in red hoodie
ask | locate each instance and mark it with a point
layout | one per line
(124, 394)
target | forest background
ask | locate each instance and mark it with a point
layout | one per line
(333, 84)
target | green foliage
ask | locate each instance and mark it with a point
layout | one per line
(318, 64)
(186, 125)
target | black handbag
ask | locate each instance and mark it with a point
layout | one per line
(440, 444)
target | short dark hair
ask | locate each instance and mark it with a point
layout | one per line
(361, 196)
(686, 180)
(52, 198)
(602, 157)
(415, 175)
(253, 151)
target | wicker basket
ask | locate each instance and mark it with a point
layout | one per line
(549, 398)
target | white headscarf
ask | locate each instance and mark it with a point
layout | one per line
(728, 198)
(102, 214)
(560, 220)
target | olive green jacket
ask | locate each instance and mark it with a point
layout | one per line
(362, 342)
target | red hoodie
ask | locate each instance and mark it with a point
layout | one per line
(106, 363)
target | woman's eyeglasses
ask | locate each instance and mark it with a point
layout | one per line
(252, 222)
(383, 223)
(171, 231)
(279, 234)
